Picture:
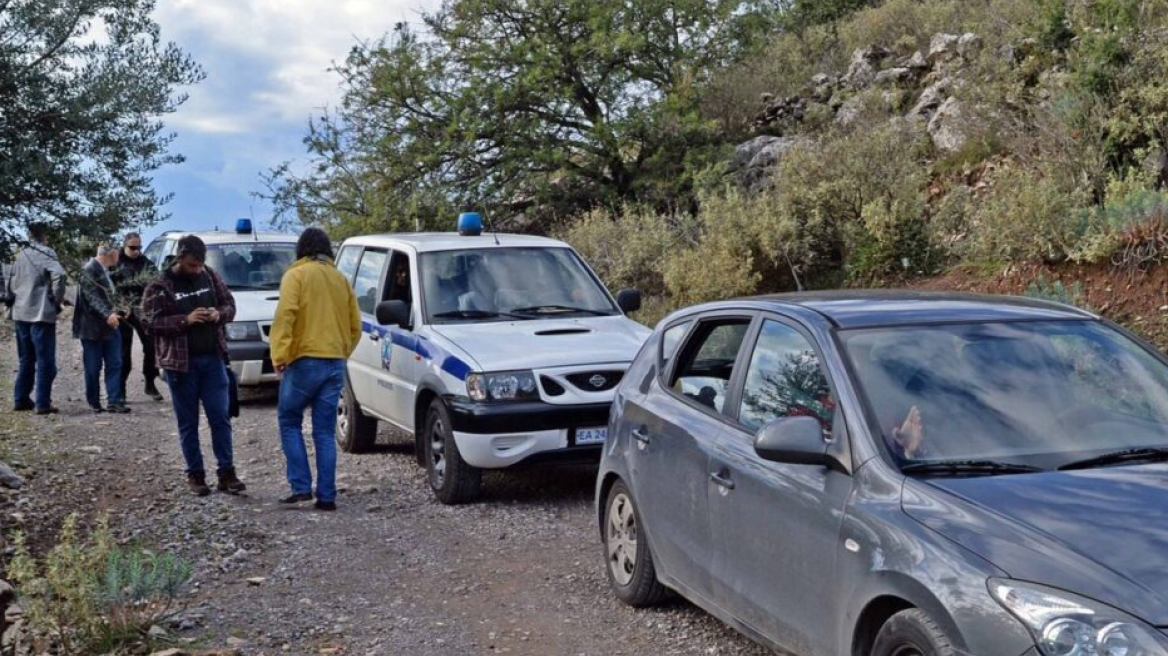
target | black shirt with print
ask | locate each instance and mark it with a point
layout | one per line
(192, 294)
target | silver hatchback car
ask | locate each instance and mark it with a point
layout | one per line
(896, 474)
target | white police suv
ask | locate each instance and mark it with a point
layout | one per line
(492, 350)
(251, 264)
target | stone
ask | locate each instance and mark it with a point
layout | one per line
(890, 76)
(942, 46)
(9, 478)
(1008, 54)
(157, 633)
(766, 158)
(173, 651)
(863, 67)
(931, 98)
(744, 153)
(256, 580)
(850, 111)
(917, 61)
(968, 45)
(946, 126)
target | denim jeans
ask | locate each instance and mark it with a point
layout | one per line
(205, 381)
(36, 351)
(149, 367)
(94, 354)
(314, 382)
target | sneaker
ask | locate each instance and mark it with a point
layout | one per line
(50, 410)
(327, 506)
(198, 484)
(229, 482)
(97, 409)
(118, 409)
(297, 498)
(23, 406)
(152, 391)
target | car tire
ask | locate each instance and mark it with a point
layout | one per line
(628, 560)
(912, 633)
(356, 433)
(451, 478)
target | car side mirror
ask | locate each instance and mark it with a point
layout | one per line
(393, 313)
(628, 300)
(795, 441)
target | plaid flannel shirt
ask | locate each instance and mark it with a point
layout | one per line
(168, 324)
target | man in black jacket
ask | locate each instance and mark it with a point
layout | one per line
(133, 272)
(95, 323)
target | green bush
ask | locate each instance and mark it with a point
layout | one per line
(1056, 291)
(89, 596)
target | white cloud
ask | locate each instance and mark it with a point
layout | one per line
(268, 60)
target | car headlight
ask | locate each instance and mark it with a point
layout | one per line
(503, 386)
(238, 331)
(1064, 624)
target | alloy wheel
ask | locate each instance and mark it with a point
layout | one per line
(342, 419)
(437, 453)
(621, 538)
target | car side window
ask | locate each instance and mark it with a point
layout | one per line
(369, 280)
(670, 340)
(398, 285)
(153, 252)
(784, 379)
(347, 261)
(707, 363)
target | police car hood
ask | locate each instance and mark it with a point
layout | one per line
(540, 343)
(255, 305)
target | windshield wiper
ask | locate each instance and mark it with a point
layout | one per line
(248, 288)
(476, 314)
(539, 309)
(1148, 453)
(986, 467)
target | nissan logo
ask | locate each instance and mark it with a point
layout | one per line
(598, 380)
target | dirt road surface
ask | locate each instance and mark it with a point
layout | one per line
(392, 572)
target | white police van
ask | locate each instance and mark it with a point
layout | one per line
(251, 264)
(491, 350)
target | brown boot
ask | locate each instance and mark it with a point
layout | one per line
(229, 482)
(198, 484)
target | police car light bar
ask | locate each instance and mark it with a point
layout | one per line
(243, 226)
(470, 224)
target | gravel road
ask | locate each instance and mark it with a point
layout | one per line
(392, 572)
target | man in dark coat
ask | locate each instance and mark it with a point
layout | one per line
(133, 272)
(95, 323)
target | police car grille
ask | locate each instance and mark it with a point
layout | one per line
(595, 381)
(551, 387)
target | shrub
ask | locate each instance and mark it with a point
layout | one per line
(89, 596)
(1056, 291)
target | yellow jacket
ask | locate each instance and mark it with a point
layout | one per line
(317, 315)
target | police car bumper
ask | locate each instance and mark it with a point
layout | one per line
(493, 436)
(251, 362)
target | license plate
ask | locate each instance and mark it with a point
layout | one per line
(591, 435)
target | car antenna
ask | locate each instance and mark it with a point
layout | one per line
(491, 225)
(255, 235)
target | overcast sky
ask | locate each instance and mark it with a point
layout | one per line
(267, 65)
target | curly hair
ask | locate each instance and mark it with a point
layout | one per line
(313, 242)
(191, 245)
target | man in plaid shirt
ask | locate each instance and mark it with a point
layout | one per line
(186, 309)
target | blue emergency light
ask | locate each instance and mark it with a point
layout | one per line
(470, 224)
(243, 226)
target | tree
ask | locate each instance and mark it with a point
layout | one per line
(528, 108)
(83, 84)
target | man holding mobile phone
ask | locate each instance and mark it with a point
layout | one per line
(186, 309)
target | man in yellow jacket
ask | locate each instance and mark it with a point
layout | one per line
(317, 326)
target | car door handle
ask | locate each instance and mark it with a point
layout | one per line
(722, 480)
(640, 435)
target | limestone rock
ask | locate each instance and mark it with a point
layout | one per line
(946, 128)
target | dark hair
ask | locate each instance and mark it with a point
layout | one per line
(192, 246)
(313, 242)
(38, 232)
(131, 235)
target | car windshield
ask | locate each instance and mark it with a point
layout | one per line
(1043, 394)
(494, 284)
(251, 265)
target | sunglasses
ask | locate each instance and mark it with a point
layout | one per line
(134, 248)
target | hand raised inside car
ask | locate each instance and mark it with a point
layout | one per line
(911, 433)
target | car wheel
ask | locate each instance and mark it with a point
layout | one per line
(631, 572)
(912, 633)
(356, 433)
(451, 478)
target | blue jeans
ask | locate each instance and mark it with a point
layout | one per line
(315, 382)
(205, 381)
(36, 350)
(94, 354)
